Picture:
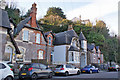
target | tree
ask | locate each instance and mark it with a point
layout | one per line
(13, 13)
(55, 11)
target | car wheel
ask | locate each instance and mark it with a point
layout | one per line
(97, 71)
(34, 77)
(117, 70)
(90, 71)
(9, 78)
(50, 75)
(78, 72)
(66, 73)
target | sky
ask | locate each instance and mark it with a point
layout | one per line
(106, 10)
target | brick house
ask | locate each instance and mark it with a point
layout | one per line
(31, 40)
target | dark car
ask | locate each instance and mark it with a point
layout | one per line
(89, 69)
(113, 68)
(34, 71)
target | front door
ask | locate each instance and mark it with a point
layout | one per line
(82, 60)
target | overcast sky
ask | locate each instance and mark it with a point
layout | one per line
(106, 10)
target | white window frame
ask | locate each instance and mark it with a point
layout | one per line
(38, 38)
(40, 54)
(25, 35)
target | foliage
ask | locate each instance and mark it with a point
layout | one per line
(13, 13)
(55, 11)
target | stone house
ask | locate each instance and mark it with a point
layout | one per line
(67, 48)
(94, 54)
(6, 36)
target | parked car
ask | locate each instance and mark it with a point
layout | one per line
(34, 71)
(89, 69)
(114, 68)
(66, 69)
(6, 72)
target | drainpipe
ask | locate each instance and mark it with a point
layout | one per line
(46, 53)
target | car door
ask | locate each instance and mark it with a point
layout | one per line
(93, 69)
(36, 68)
(74, 69)
(44, 71)
(3, 71)
(69, 69)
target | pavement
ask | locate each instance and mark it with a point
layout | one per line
(102, 75)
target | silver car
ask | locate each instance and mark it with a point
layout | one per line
(66, 69)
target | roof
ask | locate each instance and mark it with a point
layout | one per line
(64, 37)
(4, 20)
(47, 33)
(21, 25)
(90, 47)
(82, 37)
(73, 48)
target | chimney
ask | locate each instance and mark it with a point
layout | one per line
(70, 27)
(33, 15)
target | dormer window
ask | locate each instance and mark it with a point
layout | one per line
(74, 43)
(49, 41)
(25, 35)
(38, 38)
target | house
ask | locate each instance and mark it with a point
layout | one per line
(67, 48)
(6, 36)
(92, 55)
(83, 46)
(31, 40)
(100, 55)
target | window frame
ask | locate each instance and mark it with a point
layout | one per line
(38, 38)
(39, 54)
(26, 35)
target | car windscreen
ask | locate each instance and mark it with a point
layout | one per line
(88, 66)
(59, 66)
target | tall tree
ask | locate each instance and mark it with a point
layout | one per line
(13, 13)
(55, 11)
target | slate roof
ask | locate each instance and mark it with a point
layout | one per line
(4, 20)
(72, 48)
(21, 25)
(47, 33)
(64, 37)
(82, 37)
(90, 47)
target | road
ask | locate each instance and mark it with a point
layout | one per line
(84, 76)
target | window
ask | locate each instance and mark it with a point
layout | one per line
(49, 41)
(71, 56)
(68, 66)
(38, 38)
(77, 57)
(42, 66)
(35, 65)
(2, 66)
(25, 35)
(74, 43)
(40, 55)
